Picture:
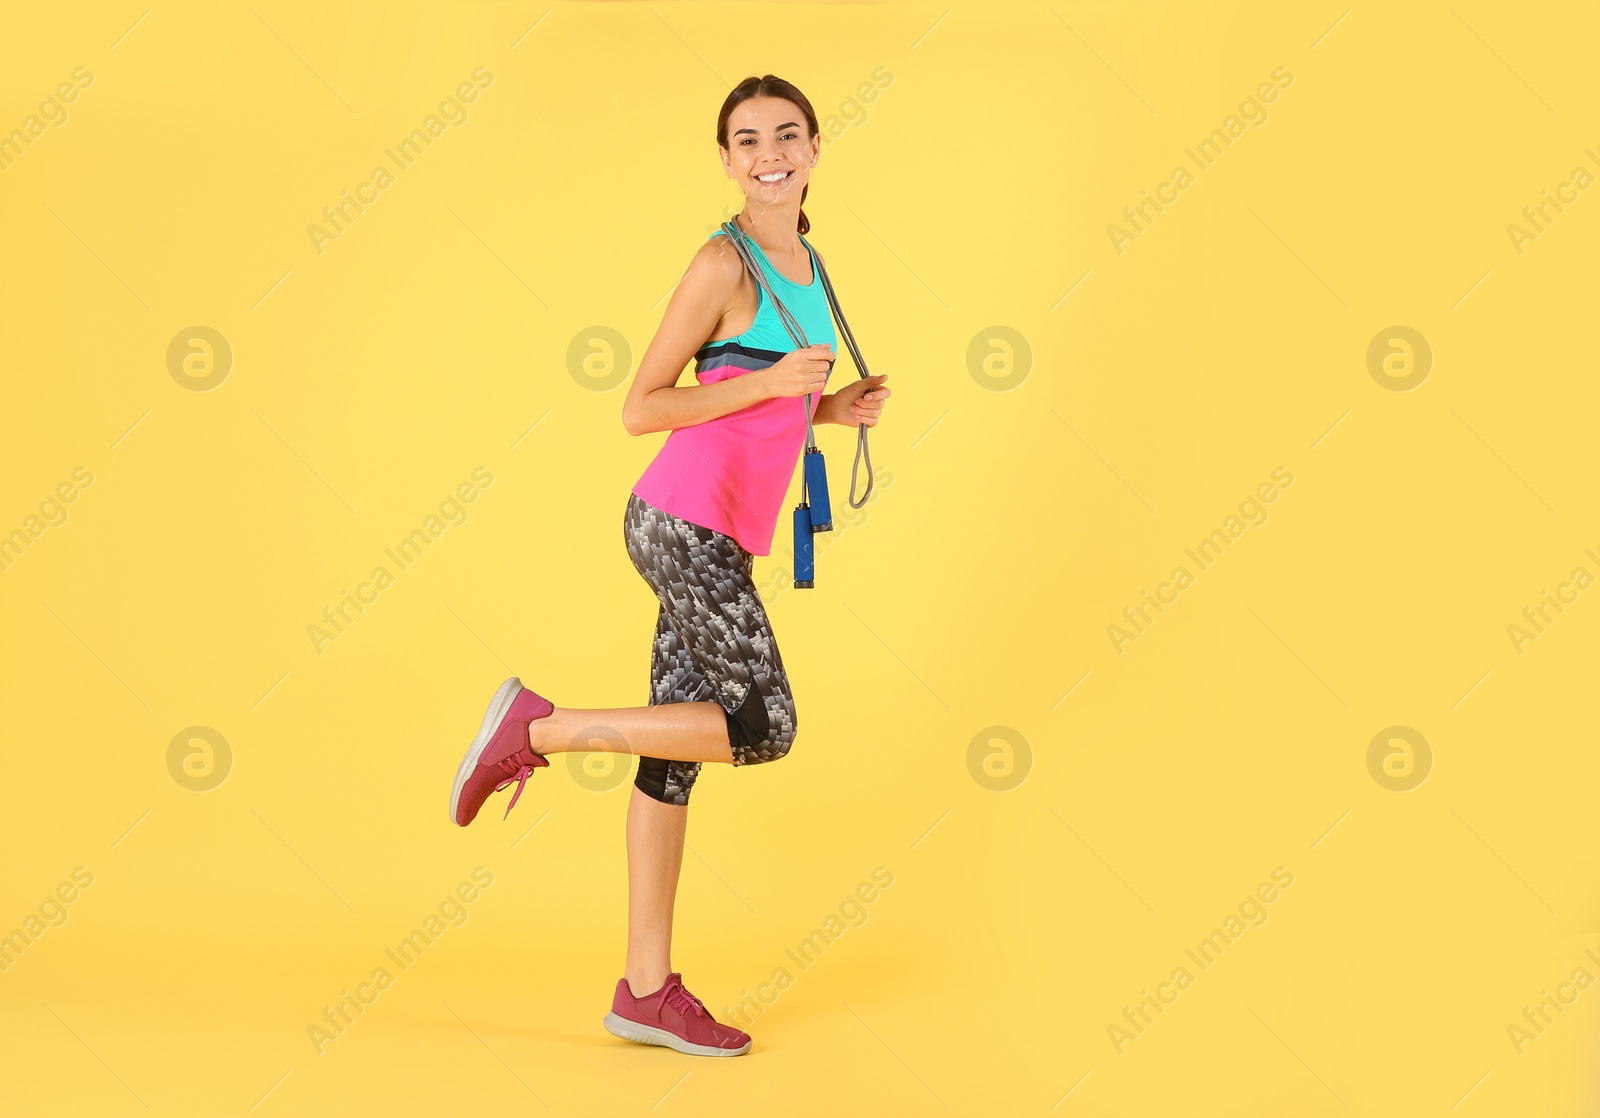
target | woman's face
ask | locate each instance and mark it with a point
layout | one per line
(769, 153)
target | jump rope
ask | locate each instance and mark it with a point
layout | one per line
(813, 514)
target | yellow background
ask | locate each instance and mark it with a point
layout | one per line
(968, 201)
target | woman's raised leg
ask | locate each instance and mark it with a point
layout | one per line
(674, 731)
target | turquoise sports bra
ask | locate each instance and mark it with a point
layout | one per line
(808, 303)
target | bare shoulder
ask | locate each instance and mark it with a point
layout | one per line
(717, 263)
(710, 284)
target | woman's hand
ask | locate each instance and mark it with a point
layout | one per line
(798, 372)
(860, 404)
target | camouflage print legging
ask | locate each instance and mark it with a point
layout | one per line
(713, 643)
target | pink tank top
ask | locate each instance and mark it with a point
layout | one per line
(730, 474)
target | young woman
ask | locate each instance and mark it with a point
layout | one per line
(694, 521)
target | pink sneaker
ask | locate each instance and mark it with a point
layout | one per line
(500, 753)
(674, 1018)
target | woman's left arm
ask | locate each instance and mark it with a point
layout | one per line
(859, 404)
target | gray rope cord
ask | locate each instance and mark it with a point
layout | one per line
(861, 366)
(737, 237)
(784, 316)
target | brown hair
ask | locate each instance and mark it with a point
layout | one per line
(769, 85)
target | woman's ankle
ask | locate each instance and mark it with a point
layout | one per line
(549, 734)
(539, 735)
(645, 982)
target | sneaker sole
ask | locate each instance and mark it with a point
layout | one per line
(648, 1034)
(503, 698)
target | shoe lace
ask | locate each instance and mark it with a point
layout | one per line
(685, 1002)
(518, 771)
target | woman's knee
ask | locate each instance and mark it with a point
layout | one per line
(667, 782)
(751, 734)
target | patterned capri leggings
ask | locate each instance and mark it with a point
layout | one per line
(713, 643)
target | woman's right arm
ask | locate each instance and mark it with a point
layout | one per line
(707, 290)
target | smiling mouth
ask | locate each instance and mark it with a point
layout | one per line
(774, 176)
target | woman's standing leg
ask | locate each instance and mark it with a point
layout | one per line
(655, 855)
(658, 813)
